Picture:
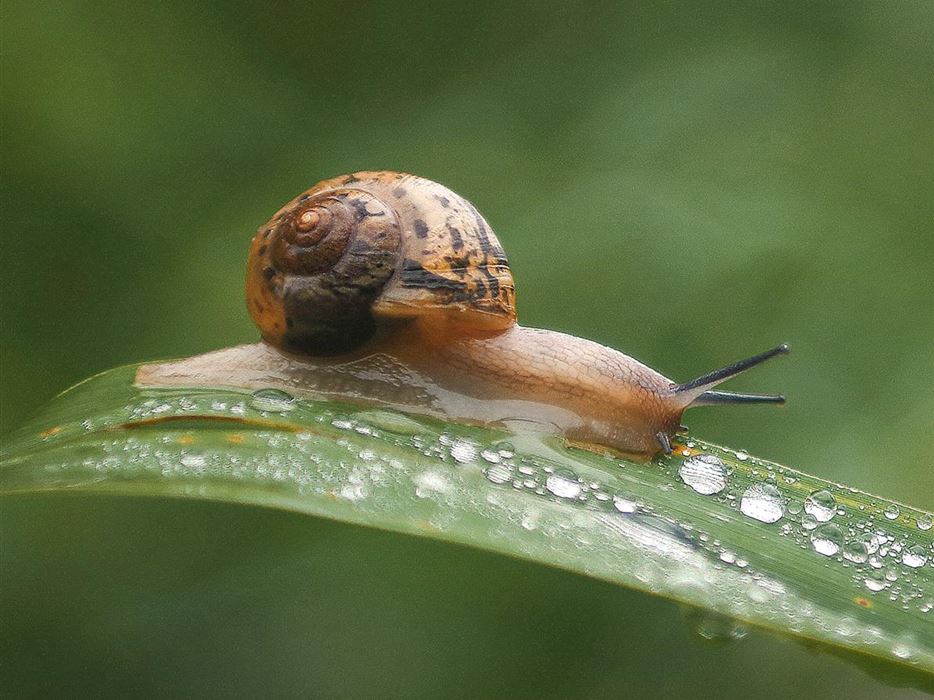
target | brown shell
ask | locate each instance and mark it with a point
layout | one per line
(374, 245)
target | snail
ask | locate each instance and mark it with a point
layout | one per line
(387, 288)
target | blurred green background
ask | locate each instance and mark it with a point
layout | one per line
(690, 184)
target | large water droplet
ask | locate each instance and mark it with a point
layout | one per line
(827, 539)
(272, 400)
(564, 484)
(706, 474)
(762, 502)
(925, 521)
(875, 582)
(892, 511)
(821, 504)
(914, 556)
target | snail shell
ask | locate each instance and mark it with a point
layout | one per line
(369, 247)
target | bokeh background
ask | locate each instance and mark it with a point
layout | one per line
(688, 183)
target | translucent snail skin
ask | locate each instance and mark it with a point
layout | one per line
(390, 289)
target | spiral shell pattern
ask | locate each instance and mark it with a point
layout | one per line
(357, 249)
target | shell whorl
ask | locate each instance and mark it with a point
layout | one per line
(368, 246)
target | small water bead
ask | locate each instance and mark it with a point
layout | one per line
(892, 511)
(827, 539)
(624, 505)
(505, 449)
(272, 400)
(491, 456)
(925, 521)
(391, 422)
(873, 540)
(499, 474)
(855, 551)
(719, 628)
(762, 502)
(706, 474)
(563, 484)
(902, 649)
(193, 461)
(463, 451)
(742, 455)
(821, 504)
(914, 556)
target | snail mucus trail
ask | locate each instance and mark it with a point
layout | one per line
(389, 289)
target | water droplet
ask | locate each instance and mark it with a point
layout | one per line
(499, 474)
(564, 484)
(717, 628)
(902, 648)
(762, 502)
(272, 400)
(821, 504)
(855, 551)
(505, 449)
(624, 505)
(491, 456)
(463, 451)
(875, 582)
(742, 455)
(193, 461)
(706, 474)
(925, 521)
(808, 521)
(892, 511)
(827, 539)
(872, 540)
(391, 422)
(914, 556)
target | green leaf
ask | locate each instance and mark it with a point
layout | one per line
(733, 535)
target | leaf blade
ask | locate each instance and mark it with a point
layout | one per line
(677, 527)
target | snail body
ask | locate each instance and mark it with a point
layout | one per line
(387, 288)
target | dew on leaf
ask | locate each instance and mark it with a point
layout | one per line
(827, 539)
(463, 451)
(762, 502)
(272, 400)
(706, 474)
(563, 483)
(914, 556)
(821, 505)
